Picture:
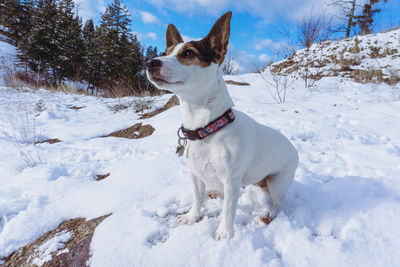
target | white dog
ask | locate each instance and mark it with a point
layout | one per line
(233, 150)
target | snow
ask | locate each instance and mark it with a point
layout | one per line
(342, 209)
(52, 245)
(375, 52)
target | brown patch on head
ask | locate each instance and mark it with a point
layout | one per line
(197, 53)
(211, 49)
(169, 50)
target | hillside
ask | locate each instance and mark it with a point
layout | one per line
(74, 193)
(367, 59)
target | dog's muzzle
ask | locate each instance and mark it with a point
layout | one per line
(153, 65)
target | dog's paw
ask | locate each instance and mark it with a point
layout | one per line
(266, 219)
(187, 218)
(223, 231)
(269, 216)
(213, 194)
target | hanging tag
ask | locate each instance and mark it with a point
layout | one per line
(180, 150)
(182, 142)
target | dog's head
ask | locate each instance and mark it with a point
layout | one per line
(190, 65)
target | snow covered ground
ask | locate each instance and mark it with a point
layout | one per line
(343, 208)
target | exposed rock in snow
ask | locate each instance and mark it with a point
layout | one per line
(67, 245)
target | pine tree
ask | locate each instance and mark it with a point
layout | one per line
(151, 52)
(26, 18)
(70, 41)
(365, 21)
(121, 53)
(114, 36)
(9, 19)
(43, 51)
(91, 73)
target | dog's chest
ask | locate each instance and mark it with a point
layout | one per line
(202, 164)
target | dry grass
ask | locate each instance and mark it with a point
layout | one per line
(367, 76)
(138, 105)
(25, 135)
(172, 102)
(394, 77)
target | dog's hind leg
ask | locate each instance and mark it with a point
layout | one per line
(276, 186)
(198, 197)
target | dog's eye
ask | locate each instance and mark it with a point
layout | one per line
(188, 53)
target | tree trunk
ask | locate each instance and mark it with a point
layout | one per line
(350, 21)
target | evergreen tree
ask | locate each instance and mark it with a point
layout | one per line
(70, 41)
(26, 17)
(151, 52)
(91, 73)
(121, 53)
(9, 19)
(43, 51)
(365, 21)
(56, 45)
(114, 39)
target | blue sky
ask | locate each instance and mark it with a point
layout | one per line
(253, 38)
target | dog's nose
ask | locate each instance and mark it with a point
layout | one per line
(153, 64)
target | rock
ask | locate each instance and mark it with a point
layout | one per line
(74, 253)
(172, 102)
(236, 83)
(100, 177)
(50, 141)
(134, 132)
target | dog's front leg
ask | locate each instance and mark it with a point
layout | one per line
(198, 196)
(231, 194)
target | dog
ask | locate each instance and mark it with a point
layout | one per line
(225, 148)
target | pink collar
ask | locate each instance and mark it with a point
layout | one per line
(211, 128)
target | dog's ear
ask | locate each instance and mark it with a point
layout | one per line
(219, 35)
(173, 37)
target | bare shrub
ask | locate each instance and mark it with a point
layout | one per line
(370, 75)
(144, 104)
(310, 65)
(25, 135)
(277, 87)
(396, 92)
(119, 107)
(314, 29)
(288, 47)
(138, 105)
(40, 106)
(394, 77)
(229, 67)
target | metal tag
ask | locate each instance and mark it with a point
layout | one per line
(180, 150)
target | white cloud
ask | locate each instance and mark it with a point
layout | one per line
(265, 58)
(244, 61)
(142, 36)
(90, 8)
(269, 44)
(147, 17)
(151, 35)
(266, 9)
